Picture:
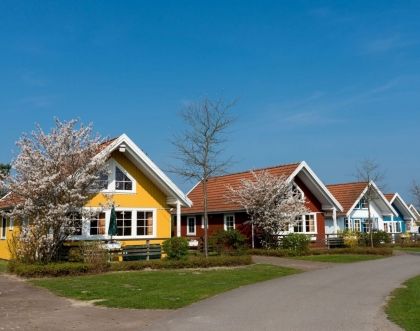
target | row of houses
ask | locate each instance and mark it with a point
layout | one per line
(151, 208)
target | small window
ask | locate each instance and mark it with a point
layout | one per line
(298, 227)
(310, 223)
(362, 204)
(145, 223)
(229, 222)
(191, 226)
(305, 224)
(122, 182)
(102, 181)
(357, 225)
(124, 223)
(398, 226)
(3, 227)
(76, 224)
(97, 224)
(346, 223)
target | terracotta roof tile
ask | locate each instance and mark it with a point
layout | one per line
(389, 196)
(216, 189)
(9, 200)
(347, 193)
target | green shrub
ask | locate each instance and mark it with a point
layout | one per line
(176, 248)
(49, 270)
(228, 242)
(380, 238)
(278, 252)
(75, 254)
(297, 243)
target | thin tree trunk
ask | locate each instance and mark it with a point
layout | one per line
(206, 221)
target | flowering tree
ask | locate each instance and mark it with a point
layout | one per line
(272, 203)
(52, 178)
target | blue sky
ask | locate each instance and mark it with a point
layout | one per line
(322, 81)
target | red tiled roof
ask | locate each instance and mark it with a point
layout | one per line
(9, 201)
(389, 196)
(216, 189)
(347, 193)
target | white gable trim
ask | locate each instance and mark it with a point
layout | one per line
(304, 165)
(397, 196)
(141, 157)
(381, 195)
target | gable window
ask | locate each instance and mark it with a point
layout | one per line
(362, 204)
(297, 191)
(305, 224)
(145, 223)
(191, 226)
(102, 181)
(97, 224)
(229, 222)
(124, 223)
(122, 182)
(3, 227)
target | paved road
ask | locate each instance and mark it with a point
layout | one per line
(344, 297)
(24, 307)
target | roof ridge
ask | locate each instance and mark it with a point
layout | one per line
(257, 169)
(347, 183)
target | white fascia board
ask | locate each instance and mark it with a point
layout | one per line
(304, 165)
(141, 156)
(405, 206)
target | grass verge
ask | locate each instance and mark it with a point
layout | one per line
(408, 249)
(162, 289)
(339, 258)
(3, 266)
(404, 307)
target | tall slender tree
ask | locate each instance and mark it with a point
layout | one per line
(369, 171)
(415, 191)
(200, 146)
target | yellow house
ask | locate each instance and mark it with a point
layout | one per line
(142, 194)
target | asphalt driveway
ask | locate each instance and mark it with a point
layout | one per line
(342, 297)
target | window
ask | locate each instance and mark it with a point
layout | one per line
(97, 224)
(122, 182)
(297, 191)
(362, 204)
(398, 226)
(124, 223)
(356, 225)
(191, 226)
(365, 226)
(305, 224)
(145, 223)
(347, 224)
(102, 181)
(75, 224)
(229, 222)
(3, 227)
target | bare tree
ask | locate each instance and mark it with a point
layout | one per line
(4, 172)
(200, 146)
(369, 171)
(270, 201)
(52, 179)
(415, 191)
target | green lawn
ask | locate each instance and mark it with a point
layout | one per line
(339, 258)
(163, 289)
(404, 307)
(3, 266)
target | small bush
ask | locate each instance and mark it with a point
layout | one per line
(75, 254)
(297, 243)
(176, 248)
(350, 238)
(95, 255)
(228, 242)
(380, 238)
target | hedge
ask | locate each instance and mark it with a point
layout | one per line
(79, 268)
(386, 251)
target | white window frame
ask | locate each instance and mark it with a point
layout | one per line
(112, 164)
(225, 216)
(303, 220)
(134, 223)
(3, 228)
(354, 225)
(302, 194)
(11, 223)
(188, 226)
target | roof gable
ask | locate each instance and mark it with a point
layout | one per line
(396, 200)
